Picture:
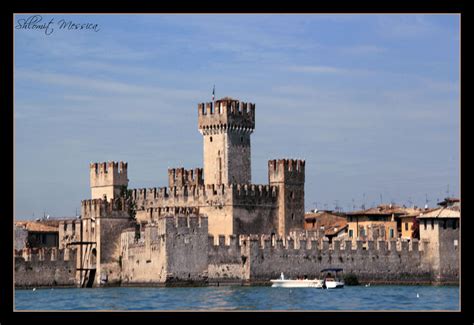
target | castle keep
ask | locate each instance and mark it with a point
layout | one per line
(211, 225)
(222, 190)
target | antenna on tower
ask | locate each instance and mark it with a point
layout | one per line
(353, 204)
(447, 192)
(363, 202)
(381, 201)
(426, 201)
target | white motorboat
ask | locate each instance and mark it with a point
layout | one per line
(331, 278)
(296, 283)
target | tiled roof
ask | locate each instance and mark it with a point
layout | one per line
(335, 228)
(411, 213)
(450, 212)
(380, 210)
(387, 209)
(35, 226)
(332, 222)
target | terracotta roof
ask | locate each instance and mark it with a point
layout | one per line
(384, 209)
(411, 213)
(323, 215)
(332, 222)
(35, 226)
(450, 212)
(335, 228)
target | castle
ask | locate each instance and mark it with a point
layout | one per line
(212, 225)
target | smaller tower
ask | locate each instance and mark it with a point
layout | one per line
(288, 175)
(182, 177)
(108, 178)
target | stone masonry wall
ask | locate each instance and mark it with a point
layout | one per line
(225, 260)
(45, 267)
(370, 262)
(169, 252)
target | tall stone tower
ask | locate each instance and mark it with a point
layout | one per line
(226, 128)
(108, 178)
(288, 175)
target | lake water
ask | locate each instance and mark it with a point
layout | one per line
(242, 298)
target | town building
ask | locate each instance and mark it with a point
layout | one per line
(327, 224)
(35, 234)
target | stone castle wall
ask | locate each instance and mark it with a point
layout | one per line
(173, 252)
(383, 262)
(45, 267)
(231, 209)
(169, 251)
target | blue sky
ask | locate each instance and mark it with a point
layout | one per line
(371, 102)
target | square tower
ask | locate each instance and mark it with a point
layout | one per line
(289, 176)
(108, 178)
(226, 126)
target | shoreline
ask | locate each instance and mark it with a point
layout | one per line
(236, 284)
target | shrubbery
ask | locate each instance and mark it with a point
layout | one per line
(351, 279)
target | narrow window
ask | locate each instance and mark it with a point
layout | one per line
(432, 224)
(391, 233)
(455, 224)
(424, 223)
(406, 225)
(292, 216)
(351, 233)
(210, 139)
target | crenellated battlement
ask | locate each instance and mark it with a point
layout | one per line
(101, 208)
(286, 170)
(109, 167)
(108, 178)
(265, 242)
(179, 222)
(255, 190)
(226, 115)
(181, 177)
(46, 254)
(192, 196)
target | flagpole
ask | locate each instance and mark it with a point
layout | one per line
(214, 97)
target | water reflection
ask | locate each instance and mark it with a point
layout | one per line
(241, 298)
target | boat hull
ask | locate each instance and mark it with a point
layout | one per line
(297, 284)
(334, 285)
